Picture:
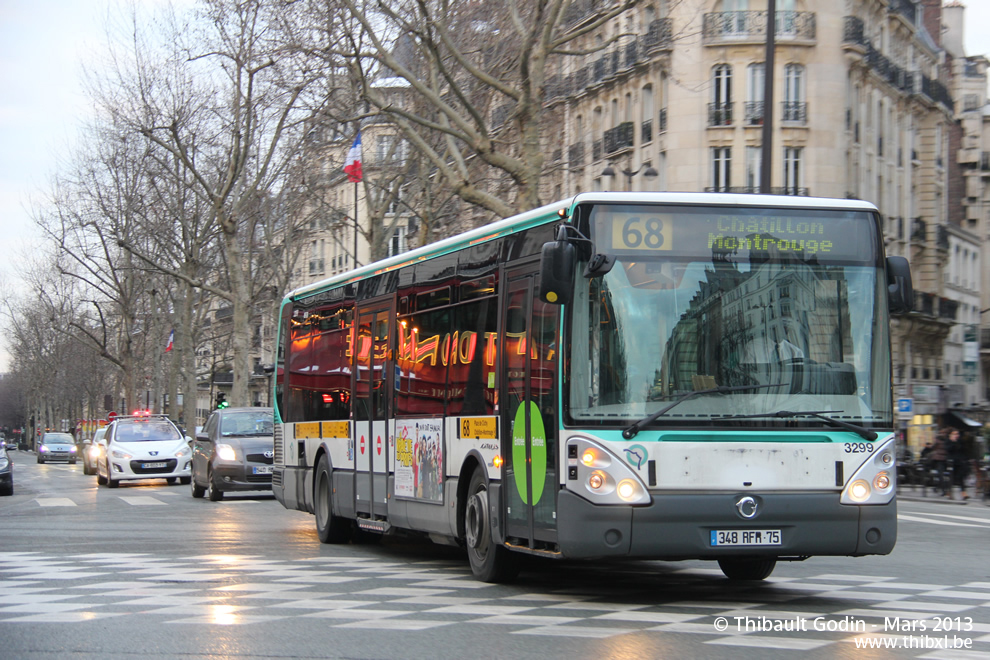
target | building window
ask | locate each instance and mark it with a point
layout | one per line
(721, 166)
(390, 149)
(754, 94)
(754, 160)
(792, 170)
(720, 109)
(795, 109)
(397, 244)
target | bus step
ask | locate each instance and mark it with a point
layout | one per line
(380, 526)
(539, 552)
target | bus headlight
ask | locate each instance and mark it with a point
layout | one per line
(859, 491)
(628, 490)
(874, 481)
(599, 476)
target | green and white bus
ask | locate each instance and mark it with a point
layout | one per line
(651, 375)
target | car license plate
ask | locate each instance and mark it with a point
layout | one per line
(264, 469)
(150, 466)
(737, 537)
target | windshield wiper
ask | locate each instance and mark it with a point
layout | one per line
(631, 432)
(864, 432)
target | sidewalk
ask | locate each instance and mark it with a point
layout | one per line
(918, 494)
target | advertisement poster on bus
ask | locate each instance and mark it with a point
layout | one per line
(419, 459)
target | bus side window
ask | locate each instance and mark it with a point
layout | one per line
(472, 381)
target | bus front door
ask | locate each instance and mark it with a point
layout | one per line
(372, 385)
(529, 349)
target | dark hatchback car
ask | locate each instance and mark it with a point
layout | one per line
(6, 473)
(234, 452)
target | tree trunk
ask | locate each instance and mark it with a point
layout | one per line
(240, 333)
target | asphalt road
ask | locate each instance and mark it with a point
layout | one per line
(146, 571)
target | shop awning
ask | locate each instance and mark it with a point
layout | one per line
(961, 421)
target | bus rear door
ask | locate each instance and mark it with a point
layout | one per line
(372, 386)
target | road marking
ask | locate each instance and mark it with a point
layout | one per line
(985, 521)
(55, 501)
(901, 516)
(142, 500)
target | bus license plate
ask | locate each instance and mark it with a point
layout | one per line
(745, 537)
(263, 469)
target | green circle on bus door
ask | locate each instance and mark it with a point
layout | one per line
(538, 452)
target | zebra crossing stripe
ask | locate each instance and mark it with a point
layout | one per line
(54, 501)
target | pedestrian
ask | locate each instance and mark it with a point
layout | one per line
(937, 461)
(956, 454)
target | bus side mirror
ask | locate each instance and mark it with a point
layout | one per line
(557, 264)
(899, 288)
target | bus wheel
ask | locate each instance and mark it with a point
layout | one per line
(330, 528)
(747, 569)
(489, 562)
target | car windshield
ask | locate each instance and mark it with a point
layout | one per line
(247, 424)
(151, 430)
(51, 438)
(768, 310)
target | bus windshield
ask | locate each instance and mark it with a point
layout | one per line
(787, 302)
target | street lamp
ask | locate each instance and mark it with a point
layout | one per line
(647, 170)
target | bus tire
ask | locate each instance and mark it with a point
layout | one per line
(330, 528)
(736, 568)
(490, 562)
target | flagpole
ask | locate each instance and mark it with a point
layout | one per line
(355, 224)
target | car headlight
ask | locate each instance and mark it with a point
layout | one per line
(4, 462)
(43, 448)
(226, 452)
(116, 453)
(94, 451)
(72, 449)
(183, 451)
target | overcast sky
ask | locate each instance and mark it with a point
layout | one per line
(43, 45)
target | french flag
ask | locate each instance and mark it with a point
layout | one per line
(352, 166)
(171, 340)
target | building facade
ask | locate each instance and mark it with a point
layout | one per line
(673, 98)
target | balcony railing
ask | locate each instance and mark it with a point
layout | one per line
(795, 112)
(853, 31)
(755, 190)
(575, 155)
(720, 114)
(618, 138)
(721, 27)
(942, 238)
(754, 113)
(659, 34)
(919, 230)
(905, 8)
(947, 309)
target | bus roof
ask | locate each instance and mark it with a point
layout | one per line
(541, 215)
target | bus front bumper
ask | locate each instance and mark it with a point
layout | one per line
(680, 526)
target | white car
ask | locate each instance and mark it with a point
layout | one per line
(144, 447)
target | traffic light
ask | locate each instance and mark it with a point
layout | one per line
(222, 400)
